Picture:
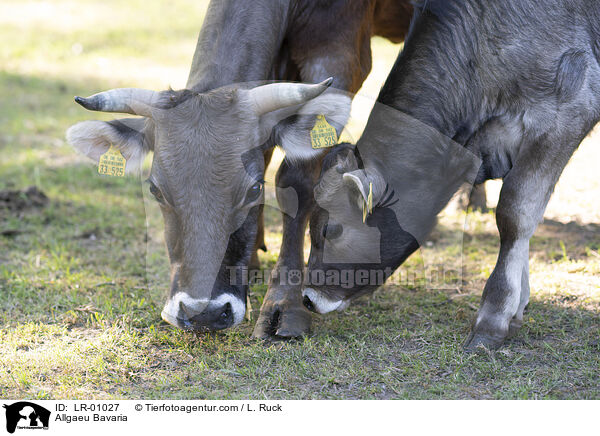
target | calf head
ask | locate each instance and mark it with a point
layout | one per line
(357, 241)
(376, 203)
(207, 176)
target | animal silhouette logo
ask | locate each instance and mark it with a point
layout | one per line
(26, 415)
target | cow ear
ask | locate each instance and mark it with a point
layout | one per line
(94, 138)
(291, 127)
(357, 182)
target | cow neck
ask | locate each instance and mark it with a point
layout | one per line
(238, 43)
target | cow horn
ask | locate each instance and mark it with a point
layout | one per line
(133, 101)
(275, 96)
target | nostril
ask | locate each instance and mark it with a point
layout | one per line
(227, 312)
(308, 304)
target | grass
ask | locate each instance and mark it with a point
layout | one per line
(81, 283)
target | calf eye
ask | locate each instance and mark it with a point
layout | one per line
(254, 192)
(332, 231)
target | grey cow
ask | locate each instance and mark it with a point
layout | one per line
(516, 85)
(211, 145)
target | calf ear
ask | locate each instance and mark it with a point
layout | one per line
(291, 127)
(364, 186)
(94, 138)
(358, 183)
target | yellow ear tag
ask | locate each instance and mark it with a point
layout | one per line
(112, 163)
(370, 198)
(368, 205)
(323, 135)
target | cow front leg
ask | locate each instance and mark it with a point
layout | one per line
(478, 198)
(282, 313)
(523, 199)
(260, 235)
(501, 300)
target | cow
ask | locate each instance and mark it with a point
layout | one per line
(507, 90)
(211, 142)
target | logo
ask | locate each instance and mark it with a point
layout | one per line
(26, 415)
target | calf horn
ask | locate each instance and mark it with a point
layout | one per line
(275, 96)
(133, 101)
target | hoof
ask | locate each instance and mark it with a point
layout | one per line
(282, 321)
(294, 324)
(480, 341)
(514, 326)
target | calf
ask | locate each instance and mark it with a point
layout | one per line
(482, 90)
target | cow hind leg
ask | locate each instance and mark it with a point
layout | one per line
(523, 198)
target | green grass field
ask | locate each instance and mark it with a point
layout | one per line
(78, 318)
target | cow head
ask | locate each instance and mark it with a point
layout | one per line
(207, 176)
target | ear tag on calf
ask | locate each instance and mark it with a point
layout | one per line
(323, 134)
(112, 163)
(368, 205)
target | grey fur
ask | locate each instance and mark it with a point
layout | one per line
(515, 82)
(240, 42)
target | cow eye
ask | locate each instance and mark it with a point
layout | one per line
(254, 192)
(156, 193)
(332, 231)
